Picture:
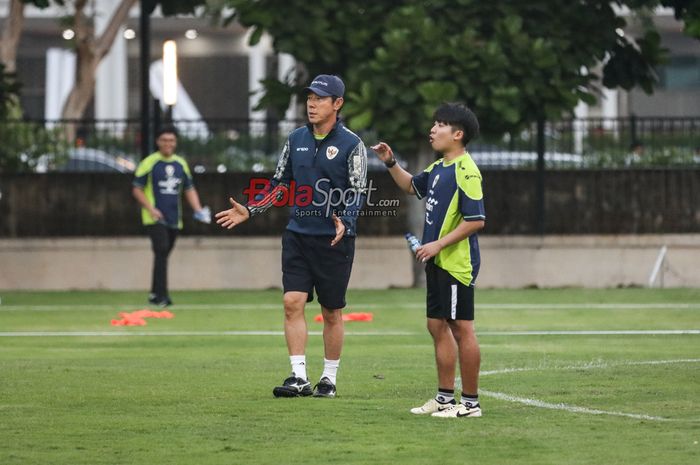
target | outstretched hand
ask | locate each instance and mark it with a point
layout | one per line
(233, 216)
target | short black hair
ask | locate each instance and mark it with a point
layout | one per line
(459, 116)
(167, 130)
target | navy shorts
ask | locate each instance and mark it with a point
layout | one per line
(447, 298)
(309, 262)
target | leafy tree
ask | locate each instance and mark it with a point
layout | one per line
(23, 143)
(687, 11)
(513, 62)
(9, 92)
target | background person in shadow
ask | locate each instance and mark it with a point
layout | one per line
(636, 154)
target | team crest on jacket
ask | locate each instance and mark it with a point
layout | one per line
(331, 152)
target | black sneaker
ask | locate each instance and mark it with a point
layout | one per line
(293, 387)
(159, 301)
(324, 388)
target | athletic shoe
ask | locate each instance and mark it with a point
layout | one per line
(324, 388)
(159, 301)
(431, 406)
(458, 411)
(293, 387)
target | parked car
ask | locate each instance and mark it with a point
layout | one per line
(507, 159)
(87, 160)
(499, 158)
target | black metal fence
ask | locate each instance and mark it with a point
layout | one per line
(597, 143)
(115, 145)
(243, 145)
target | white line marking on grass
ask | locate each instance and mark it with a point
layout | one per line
(269, 306)
(566, 407)
(617, 332)
(573, 408)
(585, 306)
(509, 370)
(357, 333)
(181, 333)
(590, 365)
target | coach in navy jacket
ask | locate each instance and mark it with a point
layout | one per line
(335, 167)
(322, 171)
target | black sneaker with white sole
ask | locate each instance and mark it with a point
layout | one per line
(159, 301)
(324, 388)
(293, 387)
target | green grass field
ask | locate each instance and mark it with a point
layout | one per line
(568, 377)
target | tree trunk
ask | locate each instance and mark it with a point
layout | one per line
(416, 212)
(90, 51)
(11, 31)
(84, 87)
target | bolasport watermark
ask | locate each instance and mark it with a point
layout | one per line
(326, 199)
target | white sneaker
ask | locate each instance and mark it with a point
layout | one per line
(458, 411)
(431, 406)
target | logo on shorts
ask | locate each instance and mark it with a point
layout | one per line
(331, 152)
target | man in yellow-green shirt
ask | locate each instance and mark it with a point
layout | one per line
(450, 250)
(159, 181)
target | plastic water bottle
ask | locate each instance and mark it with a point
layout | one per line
(413, 242)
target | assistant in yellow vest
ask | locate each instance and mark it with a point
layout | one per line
(160, 180)
(454, 213)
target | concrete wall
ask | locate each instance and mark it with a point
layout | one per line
(380, 262)
(589, 261)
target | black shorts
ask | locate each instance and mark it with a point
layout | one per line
(447, 298)
(309, 262)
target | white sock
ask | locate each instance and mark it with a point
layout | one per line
(330, 369)
(298, 366)
(445, 396)
(470, 400)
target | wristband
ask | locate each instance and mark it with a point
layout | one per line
(390, 163)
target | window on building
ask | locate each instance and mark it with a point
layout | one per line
(681, 72)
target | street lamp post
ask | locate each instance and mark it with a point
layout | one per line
(145, 59)
(169, 77)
